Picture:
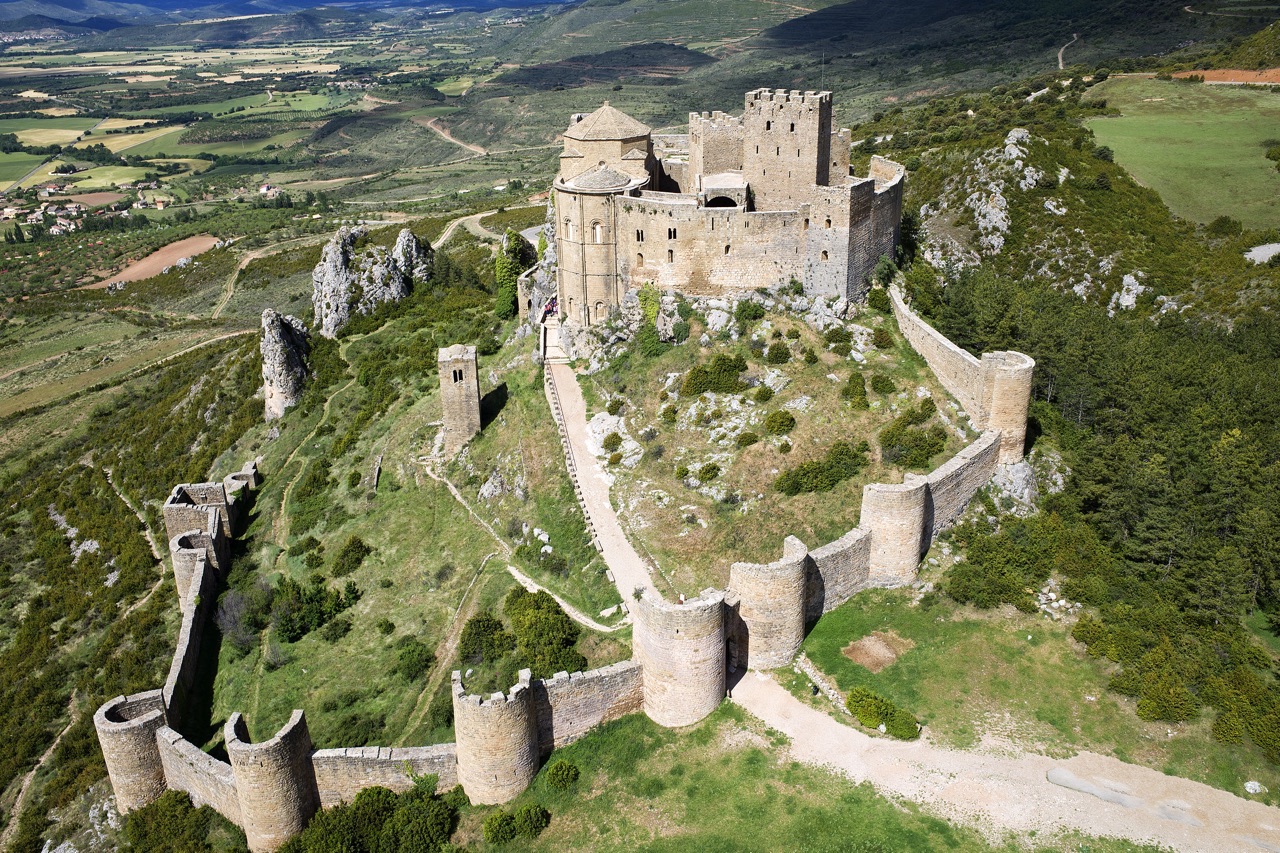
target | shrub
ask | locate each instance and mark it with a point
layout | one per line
(484, 639)
(499, 828)
(353, 479)
(746, 439)
(776, 335)
(763, 394)
(414, 659)
(562, 775)
(841, 462)
(650, 302)
(904, 442)
(778, 353)
(885, 271)
(680, 331)
(708, 472)
(386, 627)
(669, 414)
(530, 819)
(1224, 226)
(881, 338)
(779, 422)
(350, 556)
(313, 561)
(684, 309)
(302, 546)
(719, 375)
(336, 630)
(1228, 727)
(842, 350)
(810, 357)
(615, 458)
(882, 384)
(874, 711)
(611, 442)
(793, 334)
(837, 335)
(169, 825)
(682, 472)
(784, 447)
(648, 344)
(545, 635)
(855, 391)
(746, 313)
(615, 405)
(1104, 153)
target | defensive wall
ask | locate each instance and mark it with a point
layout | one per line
(683, 651)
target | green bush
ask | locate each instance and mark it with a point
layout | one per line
(881, 339)
(530, 820)
(1228, 727)
(350, 556)
(615, 405)
(562, 775)
(778, 353)
(545, 635)
(885, 271)
(784, 447)
(680, 331)
(336, 630)
(682, 472)
(793, 334)
(648, 344)
(611, 442)
(484, 639)
(302, 546)
(779, 422)
(415, 659)
(874, 711)
(810, 357)
(842, 350)
(904, 442)
(499, 828)
(763, 394)
(615, 458)
(746, 439)
(386, 627)
(650, 302)
(170, 825)
(708, 472)
(669, 414)
(882, 384)
(721, 375)
(878, 300)
(837, 335)
(841, 462)
(855, 391)
(746, 313)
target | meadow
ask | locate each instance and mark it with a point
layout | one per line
(1201, 147)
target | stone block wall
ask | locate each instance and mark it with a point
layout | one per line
(895, 517)
(836, 572)
(497, 741)
(953, 484)
(343, 773)
(958, 371)
(188, 506)
(771, 606)
(459, 395)
(197, 610)
(126, 728)
(681, 649)
(569, 705)
(1006, 382)
(275, 781)
(207, 780)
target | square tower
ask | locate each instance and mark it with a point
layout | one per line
(459, 395)
(787, 146)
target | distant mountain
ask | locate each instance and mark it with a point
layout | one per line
(43, 22)
(78, 11)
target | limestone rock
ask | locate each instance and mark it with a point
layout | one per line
(343, 281)
(717, 321)
(667, 319)
(284, 348)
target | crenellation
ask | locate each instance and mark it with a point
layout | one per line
(681, 650)
(343, 773)
(497, 741)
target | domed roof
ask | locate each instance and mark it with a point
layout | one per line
(601, 178)
(607, 123)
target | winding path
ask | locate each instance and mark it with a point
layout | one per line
(434, 125)
(20, 802)
(1075, 37)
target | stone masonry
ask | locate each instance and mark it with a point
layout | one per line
(459, 396)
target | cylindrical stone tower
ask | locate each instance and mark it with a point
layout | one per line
(186, 550)
(1007, 380)
(771, 601)
(127, 727)
(681, 649)
(497, 741)
(895, 517)
(275, 781)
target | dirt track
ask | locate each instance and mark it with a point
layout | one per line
(154, 263)
(1233, 75)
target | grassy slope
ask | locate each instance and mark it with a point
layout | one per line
(1200, 147)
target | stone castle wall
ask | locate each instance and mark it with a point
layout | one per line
(836, 572)
(208, 781)
(275, 781)
(197, 610)
(954, 483)
(497, 741)
(127, 727)
(342, 773)
(568, 705)
(681, 649)
(771, 604)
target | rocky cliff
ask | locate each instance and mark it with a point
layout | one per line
(284, 361)
(347, 279)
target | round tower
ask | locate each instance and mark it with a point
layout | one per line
(275, 781)
(1007, 378)
(894, 515)
(497, 741)
(771, 599)
(681, 649)
(127, 727)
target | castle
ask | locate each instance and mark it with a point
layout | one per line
(736, 204)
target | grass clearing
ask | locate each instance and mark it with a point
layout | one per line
(977, 677)
(1201, 147)
(15, 166)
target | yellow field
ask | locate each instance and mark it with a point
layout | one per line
(48, 136)
(117, 123)
(124, 141)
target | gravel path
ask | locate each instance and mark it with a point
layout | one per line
(1023, 792)
(628, 568)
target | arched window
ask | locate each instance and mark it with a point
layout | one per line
(824, 254)
(828, 225)
(806, 223)
(639, 259)
(597, 232)
(721, 201)
(793, 127)
(671, 256)
(600, 312)
(726, 249)
(568, 229)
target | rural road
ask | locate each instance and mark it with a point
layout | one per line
(1075, 37)
(433, 124)
(1090, 793)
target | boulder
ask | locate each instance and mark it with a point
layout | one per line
(284, 347)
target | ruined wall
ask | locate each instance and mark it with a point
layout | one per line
(126, 728)
(459, 395)
(274, 780)
(569, 705)
(954, 483)
(191, 549)
(187, 508)
(836, 572)
(771, 605)
(497, 741)
(342, 773)
(207, 780)
(681, 649)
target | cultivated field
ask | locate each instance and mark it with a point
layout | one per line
(1201, 147)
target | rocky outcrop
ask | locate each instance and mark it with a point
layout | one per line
(284, 361)
(347, 280)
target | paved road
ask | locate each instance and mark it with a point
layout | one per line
(628, 568)
(1020, 792)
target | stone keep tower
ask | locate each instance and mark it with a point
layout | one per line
(459, 395)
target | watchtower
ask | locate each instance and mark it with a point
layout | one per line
(459, 395)
(787, 149)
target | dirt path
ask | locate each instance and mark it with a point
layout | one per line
(20, 802)
(1215, 14)
(629, 570)
(471, 223)
(229, 289)
(1075, 37)
(280, 527)
(1024, 792)
(574, 613)
(154, 263)
(433, 124)
(146, 528)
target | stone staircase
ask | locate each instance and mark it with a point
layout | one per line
(552, 352)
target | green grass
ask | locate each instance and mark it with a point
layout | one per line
(18, 125)
(216, 107)
(14, 166)
(1201, 147)
(974, 674)
(727, 784)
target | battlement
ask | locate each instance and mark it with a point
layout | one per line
(758, 98)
